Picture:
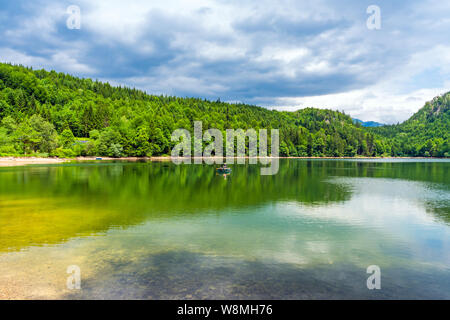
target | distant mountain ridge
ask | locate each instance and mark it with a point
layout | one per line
(368, 124)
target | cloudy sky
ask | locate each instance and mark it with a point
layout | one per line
(284, 55)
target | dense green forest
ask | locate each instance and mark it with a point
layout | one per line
(54, 114)
(425, 134)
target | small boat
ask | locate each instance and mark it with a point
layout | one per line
(223, 170)
(98, 159)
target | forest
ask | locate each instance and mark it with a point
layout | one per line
(51, 114)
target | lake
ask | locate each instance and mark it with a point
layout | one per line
(156, 230)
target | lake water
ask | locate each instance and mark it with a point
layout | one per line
(155, 230)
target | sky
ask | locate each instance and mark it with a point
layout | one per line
(282, 55)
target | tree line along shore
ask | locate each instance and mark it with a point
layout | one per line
(23, 161)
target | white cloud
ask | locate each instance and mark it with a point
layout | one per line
(375, 104)
(387, 101)
(62, 61)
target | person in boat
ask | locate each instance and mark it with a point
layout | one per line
(224, 168)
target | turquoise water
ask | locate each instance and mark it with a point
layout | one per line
(155, 230)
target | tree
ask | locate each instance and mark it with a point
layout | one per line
(67, 138)
(141, 142)
(44, 134)
(108, 143)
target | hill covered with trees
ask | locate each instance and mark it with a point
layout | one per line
(425, 134)
(54, 114)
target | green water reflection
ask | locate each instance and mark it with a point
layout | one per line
(157, 230)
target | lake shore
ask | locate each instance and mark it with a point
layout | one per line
(23, 161)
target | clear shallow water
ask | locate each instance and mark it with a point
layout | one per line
(161, 231)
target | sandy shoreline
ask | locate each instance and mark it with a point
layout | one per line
(12, 162)
(23, 161)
